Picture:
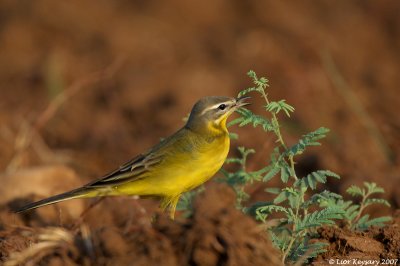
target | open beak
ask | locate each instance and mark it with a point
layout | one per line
(240, 102)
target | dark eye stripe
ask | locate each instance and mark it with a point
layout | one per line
(222, 106)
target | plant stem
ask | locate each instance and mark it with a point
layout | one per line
(277, 132)
(275, 122)
(292, 167)
(362, 207)
(295, 218)
(288, 249)
(241, 186)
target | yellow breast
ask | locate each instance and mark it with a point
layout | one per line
(208, 162)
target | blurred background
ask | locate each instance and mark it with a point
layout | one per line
(89, 84)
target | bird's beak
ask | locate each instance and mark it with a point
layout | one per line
(240, 102)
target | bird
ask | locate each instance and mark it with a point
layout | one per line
(177, 164)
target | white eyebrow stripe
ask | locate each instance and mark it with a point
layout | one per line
(214, 106)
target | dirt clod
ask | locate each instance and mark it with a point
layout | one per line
(374, 244)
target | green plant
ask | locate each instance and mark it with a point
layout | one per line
(299, 214)
(299, 209)
(242, 177)
(352, 211)
(298, 221)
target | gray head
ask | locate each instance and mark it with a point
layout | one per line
(213, 111)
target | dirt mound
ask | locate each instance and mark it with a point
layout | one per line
(216, 234)
(376, 244)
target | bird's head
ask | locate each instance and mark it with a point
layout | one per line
(211, 113)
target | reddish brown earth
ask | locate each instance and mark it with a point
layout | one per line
(127, 72)
(217, 234)
(380, 244)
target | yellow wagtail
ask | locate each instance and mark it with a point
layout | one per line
(177, 164)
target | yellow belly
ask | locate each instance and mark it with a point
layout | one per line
(181, 172)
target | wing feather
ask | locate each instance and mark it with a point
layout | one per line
(141, 165)
(133, 170)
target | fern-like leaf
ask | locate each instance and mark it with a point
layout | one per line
(305, 250)
(285, 173)
(248, 117)
(259, 82)
(271, 173)
(351, 211)
(355, 191)
(319, 218)
(263, 211)
(281, 242)
(368, 202)
(314, 249)
(273, 190)
(310, 139)
(372, 188)
(364, 224)
(324, 199)
(311, 180)
(233, 136)
(289, 194)
(233, 160)
(276, 107)
(246, 91)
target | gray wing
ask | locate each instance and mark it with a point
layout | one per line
(138, 167)
(133, 170)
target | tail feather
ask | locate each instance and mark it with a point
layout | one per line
(73, 194)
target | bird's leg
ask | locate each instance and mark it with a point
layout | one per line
(164, 203)
(172, 207)
(170, 203)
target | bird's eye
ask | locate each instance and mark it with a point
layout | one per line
(222, 106)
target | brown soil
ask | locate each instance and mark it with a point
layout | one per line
(217, 234)
(127, 72)
(376, 244)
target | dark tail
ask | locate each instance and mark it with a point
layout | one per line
(73, 194)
